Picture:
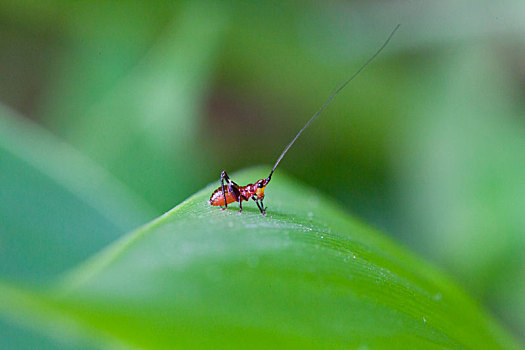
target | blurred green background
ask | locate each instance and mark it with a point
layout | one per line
(114, 112)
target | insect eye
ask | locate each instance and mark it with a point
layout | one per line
(260, 185)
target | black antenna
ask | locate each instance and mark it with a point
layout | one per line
(332, 97)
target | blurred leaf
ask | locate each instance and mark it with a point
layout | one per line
(305, 275)
(142, 127)
(30, 321)
(97, 51)
(56, 206)
(16, 336)
(463, 169)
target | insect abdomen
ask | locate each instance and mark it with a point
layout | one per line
(217, 199)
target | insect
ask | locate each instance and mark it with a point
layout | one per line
(230, 192)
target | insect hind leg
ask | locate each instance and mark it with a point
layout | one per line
(223, 177)
(232, 189)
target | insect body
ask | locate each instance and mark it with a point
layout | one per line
(230, 192)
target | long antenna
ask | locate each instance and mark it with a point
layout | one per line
(332, 97)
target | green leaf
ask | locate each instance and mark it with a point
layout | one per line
(307, 274)
(464, 187)
(56, 207)
(142, 102)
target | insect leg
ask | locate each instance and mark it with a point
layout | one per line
(241, 198)
(260, 208)
(224, 176)
(259, 205)
(233, 189)
(263, 208)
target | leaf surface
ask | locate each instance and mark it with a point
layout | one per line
(56, 206)
(307, 274)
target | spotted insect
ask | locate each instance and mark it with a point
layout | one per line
(229, 192)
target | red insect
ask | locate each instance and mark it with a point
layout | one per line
(231, 192)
